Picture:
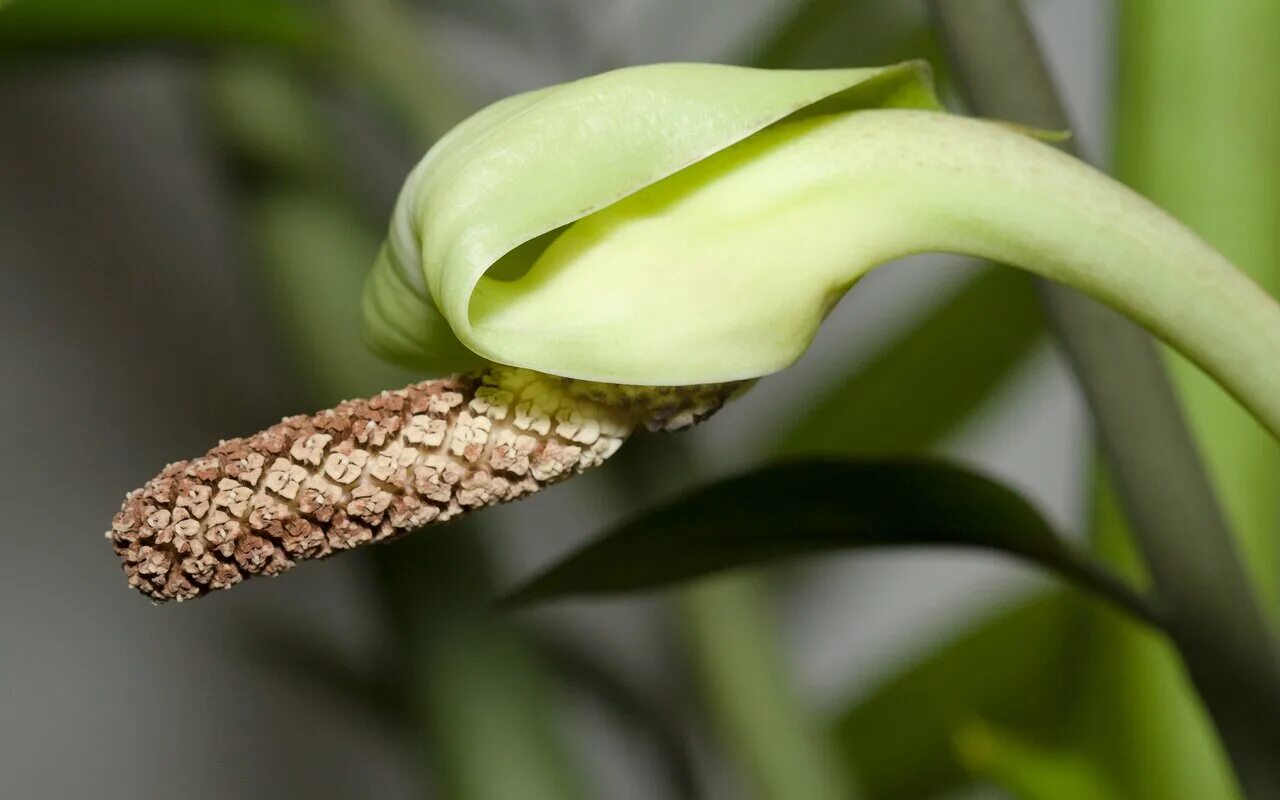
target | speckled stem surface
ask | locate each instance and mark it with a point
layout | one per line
(370, 470)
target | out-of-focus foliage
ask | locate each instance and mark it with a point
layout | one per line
(1138, 716)
(271, 124)
(1014, 669)
(37, 27)
(1029, 771)
(814, 34)
(1198, 131)
(731, 628)
(312, 241)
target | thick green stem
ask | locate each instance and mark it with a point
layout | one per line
(1189, 551)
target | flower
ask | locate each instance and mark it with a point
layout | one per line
(627, 250)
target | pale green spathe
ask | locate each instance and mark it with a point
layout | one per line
(701, 220)
(536, 162)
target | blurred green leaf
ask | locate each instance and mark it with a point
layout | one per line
(914, 393)
(1029, 771)
(42, 26)
(390, 45)
(1012, 669)
(927, 382)
(810, 507)
(1137, 713)
(374, 686)
(815, 34)
(314, 247)
(270, 120)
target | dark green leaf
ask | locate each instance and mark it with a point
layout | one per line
(810, 507)
(41, 26)
(922, 386)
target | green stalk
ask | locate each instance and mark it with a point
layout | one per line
(910, 181)
(1191, 554)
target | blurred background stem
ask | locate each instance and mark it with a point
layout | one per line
(1192, 558)
(1197, 131)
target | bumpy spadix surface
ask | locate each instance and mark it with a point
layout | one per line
(369, 470)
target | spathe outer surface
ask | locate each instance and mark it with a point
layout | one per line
(540, 161)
